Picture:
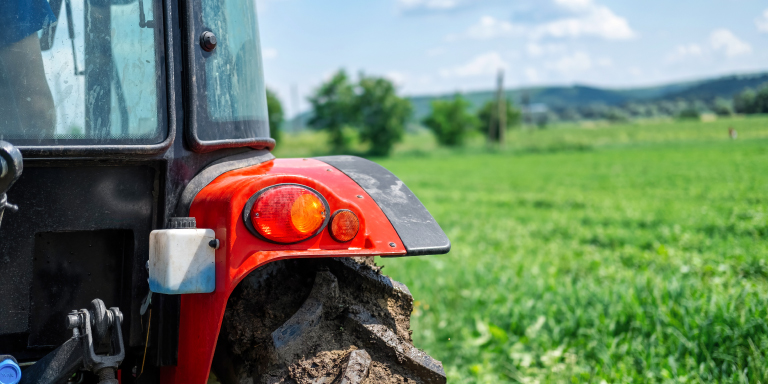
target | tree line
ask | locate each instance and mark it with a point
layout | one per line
(749, 101)
(451, 120)
(371, 107)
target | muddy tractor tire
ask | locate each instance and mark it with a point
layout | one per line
(321, 321)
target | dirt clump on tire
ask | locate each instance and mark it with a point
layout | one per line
(321, 321)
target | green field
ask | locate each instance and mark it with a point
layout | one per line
(630, 253)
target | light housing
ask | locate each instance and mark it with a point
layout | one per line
(286, 213)
(344, 225)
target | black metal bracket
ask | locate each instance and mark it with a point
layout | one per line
(71, 31)
(11, 166)
(96, 345)
(103, 365)
(143, 22)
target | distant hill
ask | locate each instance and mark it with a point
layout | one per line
(580, 96)
(725, 87)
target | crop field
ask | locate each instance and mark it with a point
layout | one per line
(628, 253)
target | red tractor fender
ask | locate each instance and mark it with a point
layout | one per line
(219, 206)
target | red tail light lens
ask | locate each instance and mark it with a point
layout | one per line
(344, 225)
(287, 213)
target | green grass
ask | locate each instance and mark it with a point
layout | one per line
(632, 253)
(565, 137)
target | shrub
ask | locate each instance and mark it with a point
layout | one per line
(487, 117)
(450, 120)
(275, 115)
(722, 107)
(689, 114)
(333, 109)
(381, 114)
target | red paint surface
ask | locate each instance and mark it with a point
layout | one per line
(219, 206)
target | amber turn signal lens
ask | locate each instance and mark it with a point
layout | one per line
(288, 213)
(307, 213)
(344, 225)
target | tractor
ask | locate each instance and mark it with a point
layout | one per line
(148, 234)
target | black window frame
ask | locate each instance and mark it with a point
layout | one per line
(166, 99)
(197, 100)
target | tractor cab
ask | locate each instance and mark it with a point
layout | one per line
(136, 164)
(103, 76)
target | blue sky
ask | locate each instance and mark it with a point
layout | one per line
(440, 46)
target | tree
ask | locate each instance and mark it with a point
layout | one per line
(761, 100)
(450, 120)
(722, 107)
(488, 119)
(372, 106)
(615, 115)
(667, 108)
(744, 102)
(570, 114)
(380, 113)
(689, 113)
(333, 107)
(275, 115)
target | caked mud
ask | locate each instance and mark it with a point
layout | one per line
(322, 321)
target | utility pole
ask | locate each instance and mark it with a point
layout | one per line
(526, 108)
(497, 125)
(502, 104)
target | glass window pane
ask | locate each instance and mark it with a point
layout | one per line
(234, 77)
(84, 73)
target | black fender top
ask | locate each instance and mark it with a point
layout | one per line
(216, 169)
(418, 230)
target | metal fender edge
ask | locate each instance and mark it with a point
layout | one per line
(418, 230)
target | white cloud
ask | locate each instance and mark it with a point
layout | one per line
(483, 65)
(762, 22)
(263, 6)
(408, 82)
(574, 4)
(399, 78)
(587, 19)
(604, 62)
(725, 41)
(684, 51)
(431, 5)
(535, 49)
(532, 74)
(490, 27)
(594, 20)
(689, 50)
(577, 62)
(269, 53)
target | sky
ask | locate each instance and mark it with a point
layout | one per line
(446, 46)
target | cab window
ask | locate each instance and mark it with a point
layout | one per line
(234, 81)
(80, 72)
